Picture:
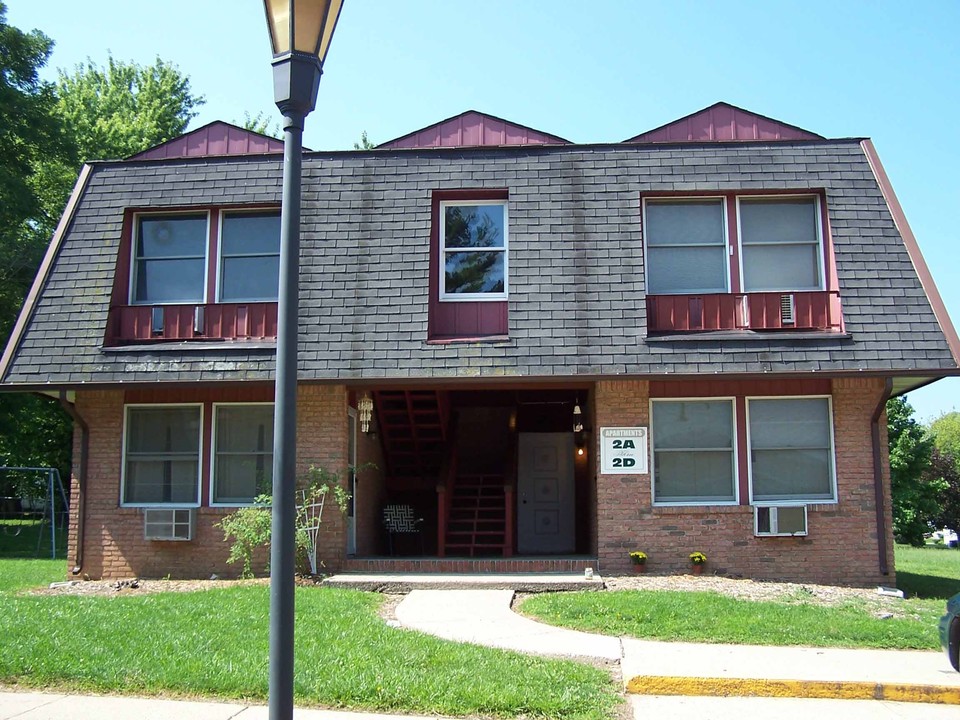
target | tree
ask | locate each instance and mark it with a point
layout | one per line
(30, 130)
(260, 123)
(113, 112)
(91, 113)
(364, 143)
(943, 469)
(124, 108)
(915, 497)
(945, 431)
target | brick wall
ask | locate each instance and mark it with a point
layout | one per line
(114, 545)
(841, 547)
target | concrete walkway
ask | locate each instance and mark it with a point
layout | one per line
(484, 617)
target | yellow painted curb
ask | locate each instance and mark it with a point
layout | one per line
(724, 687)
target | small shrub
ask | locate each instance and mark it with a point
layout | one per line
(698, 558)
(249, 528)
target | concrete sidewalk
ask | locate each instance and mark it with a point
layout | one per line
(484, 617)
(55, 706)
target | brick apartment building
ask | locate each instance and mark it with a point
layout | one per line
(552, 353)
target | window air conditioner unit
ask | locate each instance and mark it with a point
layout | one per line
(175, 524)
(788, 310)
(779, 520)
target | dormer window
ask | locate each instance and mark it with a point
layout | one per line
(249, 256)
(473, 239)
(738, 262)
(686, 246)
(169, 259)
(780, 244)
(209, 274)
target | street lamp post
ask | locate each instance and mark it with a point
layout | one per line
(300, 33)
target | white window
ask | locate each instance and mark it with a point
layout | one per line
(780, 244)
(791, 450)
(473, 250)
(694, 452)
(243, 453)
(686, 246)
(249, 256)
(162, 455)
(169, 259)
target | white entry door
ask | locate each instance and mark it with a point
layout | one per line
(545, 497)
(352, 481)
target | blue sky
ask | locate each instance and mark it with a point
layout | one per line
(590, 73)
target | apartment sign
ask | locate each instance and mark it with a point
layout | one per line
(623, 451)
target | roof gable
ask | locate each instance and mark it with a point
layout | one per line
(723, 122)
(472, 129)
(213, 140)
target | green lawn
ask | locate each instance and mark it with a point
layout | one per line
(927, 575)
(23, 539)
(215, 643)
(928, 572)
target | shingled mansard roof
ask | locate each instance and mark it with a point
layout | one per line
(577, 296)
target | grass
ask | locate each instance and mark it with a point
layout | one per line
(927, 575)
(714, 618)
(24, 539)
(928, 572)
(215, 643)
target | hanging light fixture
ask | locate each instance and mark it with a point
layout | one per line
(365, 409)
(577, 416)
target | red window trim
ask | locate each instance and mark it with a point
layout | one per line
(824, 302)
(224, 320)
(492, 313)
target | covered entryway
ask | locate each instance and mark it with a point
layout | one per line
(492, 473)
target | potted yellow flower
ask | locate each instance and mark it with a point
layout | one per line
(639, 560)
(697, 561)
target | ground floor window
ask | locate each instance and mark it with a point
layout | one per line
(785, 444)
(162, 455)
(243, 453)
(791, 450)
(693, 452)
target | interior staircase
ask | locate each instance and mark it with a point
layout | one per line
(477, 517)
(413, 427)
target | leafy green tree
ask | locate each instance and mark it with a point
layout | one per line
(30, 131)
(91, 113)
(124, 108)
(364, 143)
(260, 123)
(945, 431)
(111, 113)
(943, 469)
(915, 496)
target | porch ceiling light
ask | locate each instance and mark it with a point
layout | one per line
(577, 417)
(365, 409)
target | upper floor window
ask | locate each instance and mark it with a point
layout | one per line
(169, 264)
(774, 245)
(162, 455)
(249, 256)
(686, 246)
(780, 244)
(473, 250)
(174, 256)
